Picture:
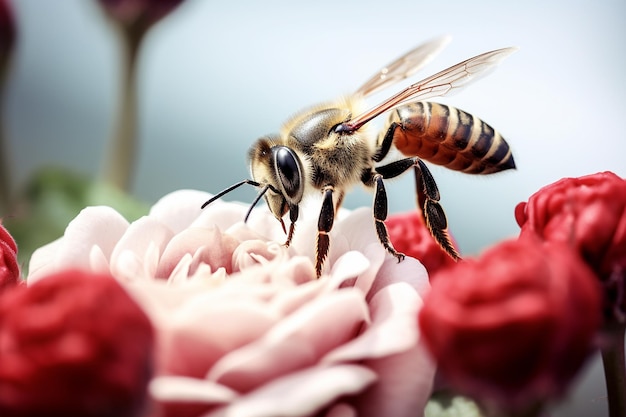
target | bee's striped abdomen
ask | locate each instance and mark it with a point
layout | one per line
(450, 137)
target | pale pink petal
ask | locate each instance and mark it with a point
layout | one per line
(129, 266)
(220, 214)
(225, 327)
(297, 341)
(376, 255)
(98, 261)
(404, 385)
(142, 234)
(158, 297)
(179, 209)
(42, 261)
(358, 229)
(184, 389)
(94, 226)
(287, 302)
(300, 393)
(207, 245)
(393, 329)
(299, 269)
(409, 270)
(347, 269)
(254, 252)
(100, 226)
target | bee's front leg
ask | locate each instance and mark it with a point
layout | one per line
(324, 225)
(293, 217)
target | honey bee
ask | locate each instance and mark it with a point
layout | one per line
(328, 148)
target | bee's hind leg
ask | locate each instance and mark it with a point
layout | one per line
(428, 201)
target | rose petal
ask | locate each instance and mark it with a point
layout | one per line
(142, 234)
(179, 209)
(297, 341)
(195, 241)
(393, 329)
(404, 385)
(42, 261)
(411, 270)
(348, 267)
(300, 393)
(184, 389)
(222, 215)
(225, 325)
(100, 226)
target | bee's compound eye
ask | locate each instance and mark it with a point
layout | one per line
(287, 165)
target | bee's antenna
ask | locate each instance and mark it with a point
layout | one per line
(229, 189)
(256, 200)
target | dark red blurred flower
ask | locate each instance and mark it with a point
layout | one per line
(514, 325)
(9, 268)
(143, 13)
(73, 344)
(588, 213)
(409, 235)
(7, 28)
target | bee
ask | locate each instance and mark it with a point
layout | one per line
(329, 148)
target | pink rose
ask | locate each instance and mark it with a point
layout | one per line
(9, 268)
(515, 325)
(244, 326)
(73, 344)
(589, 214)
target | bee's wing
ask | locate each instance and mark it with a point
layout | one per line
(403, 67)
(440, 84)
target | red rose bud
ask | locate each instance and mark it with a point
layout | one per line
(588, 213)
(513, 326)
(143, 13)
(409, 235)
(7, 28)
(73, 344)
(9, 267)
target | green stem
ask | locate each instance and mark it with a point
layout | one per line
(120, 160)
(615, 372)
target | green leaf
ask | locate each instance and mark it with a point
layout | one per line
(449, 405)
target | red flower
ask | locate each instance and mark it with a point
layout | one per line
(588, 213)
(143, 13)
(7, 28)
(73, 344)
(514, 325)
(409, 235)
(9, 268)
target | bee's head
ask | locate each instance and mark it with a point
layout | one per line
(278, 168)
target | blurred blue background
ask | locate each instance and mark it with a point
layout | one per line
(214, 76)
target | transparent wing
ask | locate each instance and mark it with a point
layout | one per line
(405, 66)
(443, 83)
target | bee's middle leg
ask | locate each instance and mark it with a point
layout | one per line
(380, 215)
(380, 199)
